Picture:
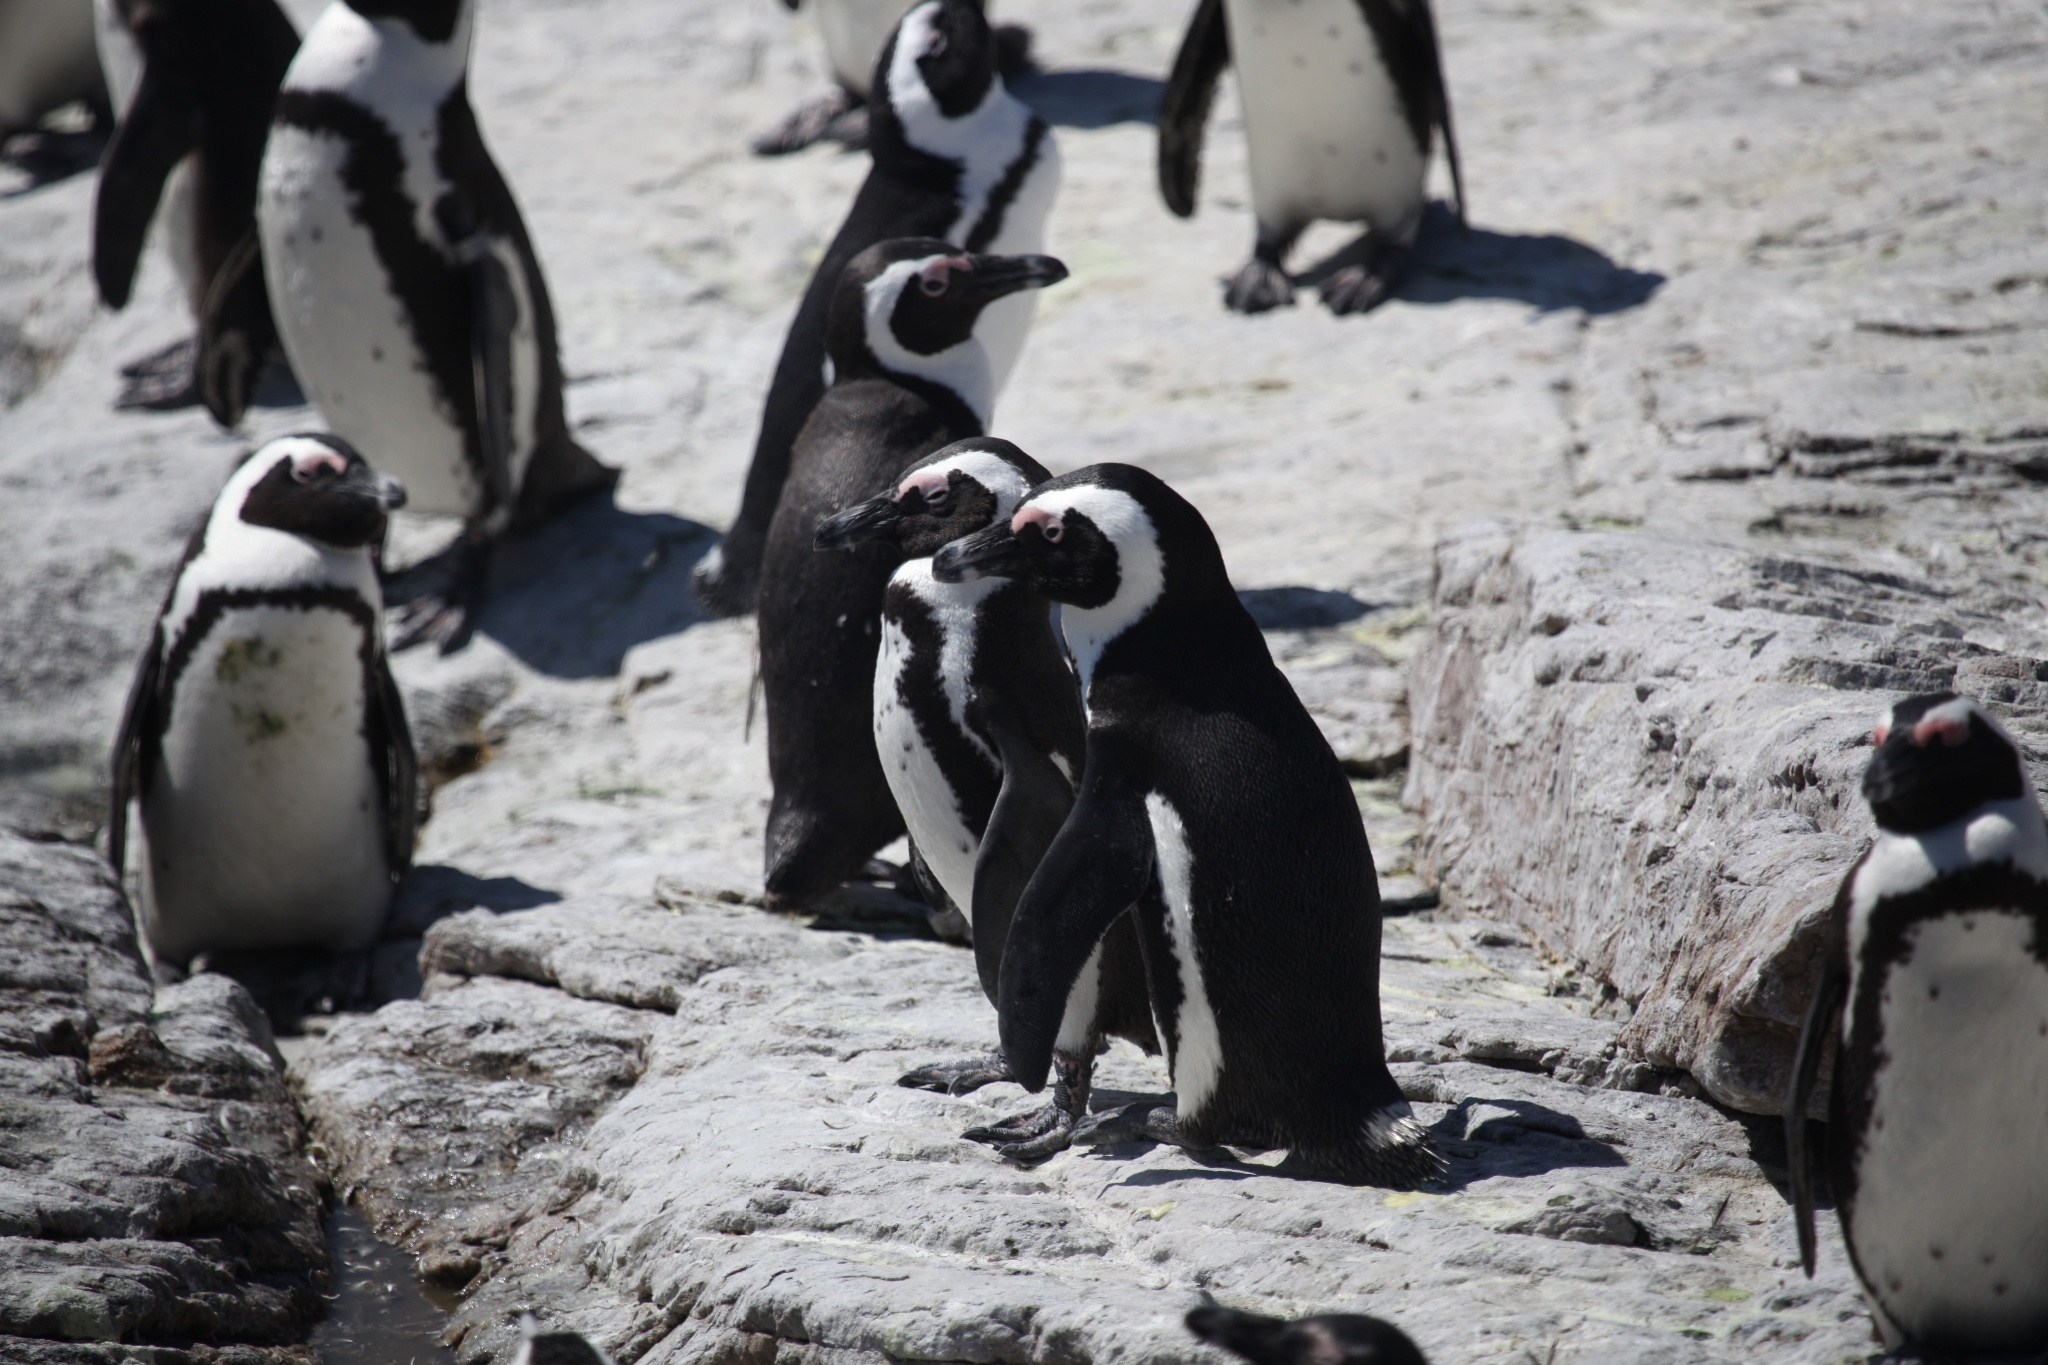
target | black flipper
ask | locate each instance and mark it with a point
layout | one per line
(161, 127)
(237, 334)
(137, 719)
(1406, 33)
(1184, 109)
(488, 263)
(1820, 1026)
(1100, 864)
(397, 764)
(1031, 806)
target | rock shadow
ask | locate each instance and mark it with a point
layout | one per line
(1522, 1138)
(572, 596)
(1298, 608)
(1547, 272)
(294, 984)
(1090, 98)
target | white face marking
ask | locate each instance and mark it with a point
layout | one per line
(1951, 1213)
(1001, 478)
(1141, 568)
(1198, 1061)
(963, 368)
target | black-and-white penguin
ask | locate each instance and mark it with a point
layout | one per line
(194, 81)
(910, 376)
(1938, 945)
(1212, 804)
(978, 723)
(1342, 99)
(1325, 1339)
(46, 61)
(406, 289)
(265, 743)
(853, 32)
(555, 1348)
(955, 157)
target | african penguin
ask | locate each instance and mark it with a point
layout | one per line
(46, 61)
(555, 1348)
(955, 157)
(407, 291)
(264, 742)
(1341, 99)
(979, 727)
(1326, 1339)
(194, 81)
(910, 375)
(853, 32)
(1210, 802)
(1938, 946)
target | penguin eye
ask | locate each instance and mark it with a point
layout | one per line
(1053, 531)
(932, 283)
(935, 43)
(934, 497)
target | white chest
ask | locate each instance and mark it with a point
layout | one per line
(264, 823)
(1198, 1054)
(1950, 1220)
(1327, 137)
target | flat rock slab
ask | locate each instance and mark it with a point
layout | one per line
(676, 1126)
(154, 1202)
(1647, 752)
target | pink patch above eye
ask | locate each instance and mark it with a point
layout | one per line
(1948, 730)
(1882, 733)
(932, 278)
(1047, 521)
(924, 483)
(306, 466)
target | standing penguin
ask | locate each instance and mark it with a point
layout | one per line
(1212, 804)
(956, 157)
(1341, 99)
(1938, 942)
(46, 61)
(264, 741)
(910, 375)
(408, 294)
(853, 31)
(195, 81)
(979, 728)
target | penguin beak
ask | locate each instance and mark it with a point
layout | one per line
(995, 277)
(365, 483)
(858, 524)
(988, 553)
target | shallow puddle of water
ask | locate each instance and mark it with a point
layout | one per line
(379, 1315)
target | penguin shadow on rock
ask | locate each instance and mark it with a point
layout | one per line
(53, 151)
(1488, 1136)
(571, 596)
(1547, 272)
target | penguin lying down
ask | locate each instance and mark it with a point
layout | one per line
(1211, 809)
(264, 740)
(1326, 1339)
(1937, 948)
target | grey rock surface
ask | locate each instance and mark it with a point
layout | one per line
(154, 1199)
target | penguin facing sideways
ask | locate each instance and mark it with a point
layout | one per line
(1326, 1339)
(911, 375)
(46, 61)
(979, 727)
(195, 81)
(1341, 101)
(555, 1348)
(407, 291)
(1211, 803)
(264, 742)
(1938, 947)
(955, 157)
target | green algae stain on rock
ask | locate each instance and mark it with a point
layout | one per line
(244, 654)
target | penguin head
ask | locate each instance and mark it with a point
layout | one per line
(315, 486)
(1330, 1339)
(937, 67)
(555, 1348)
(908, 307)
(1939, 757)
(954, 492)
(435, 21)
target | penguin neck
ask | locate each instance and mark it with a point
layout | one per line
(962, 370)
(2010, 832)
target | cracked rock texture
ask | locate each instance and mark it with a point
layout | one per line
(1751, 286)
(154, 1201)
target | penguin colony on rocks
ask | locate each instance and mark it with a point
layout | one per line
(1047, 682)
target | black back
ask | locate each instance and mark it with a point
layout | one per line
(1327, 1339)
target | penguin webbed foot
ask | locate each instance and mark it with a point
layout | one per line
(448, 616)
(1028, 1139)
(163, 380)
(963, 1077)
(1362, 276)
(1259, 286)
(835, 116)
(723, 586)
(1143, 1121)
